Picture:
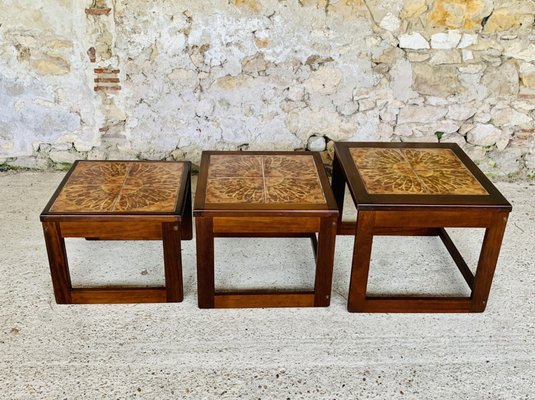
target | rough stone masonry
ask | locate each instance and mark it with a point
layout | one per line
(165, 80)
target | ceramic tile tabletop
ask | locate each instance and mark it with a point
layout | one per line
(262, 179)
(426, 171)
(114, 186)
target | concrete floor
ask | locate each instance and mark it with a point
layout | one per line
(175, 351)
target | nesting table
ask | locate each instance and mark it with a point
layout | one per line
(120, 200)
(417, 189)
(264, 194)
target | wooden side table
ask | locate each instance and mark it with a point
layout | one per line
(417, 189)
(264, 194)
(120, 200)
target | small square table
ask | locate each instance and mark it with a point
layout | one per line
(411, 189)
(264, 194)
(120, 200)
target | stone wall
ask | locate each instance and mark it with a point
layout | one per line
(167, 79)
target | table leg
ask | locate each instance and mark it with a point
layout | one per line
(324, 262)
(172, 261)
(57, 259)
(205, 261)
(488, 258)
(187, 229)
(338, 184)
(361, 261)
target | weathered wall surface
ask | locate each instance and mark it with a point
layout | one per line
(165, 80)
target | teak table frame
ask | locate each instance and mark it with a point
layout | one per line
(419, 215)
(168, 226)
(264, 220)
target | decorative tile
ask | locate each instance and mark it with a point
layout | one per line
(110, 187)
(452, 182)
(298, 166)
(225, 166)
(391, 183)
(433, 159)
(96, 173)
(235, 190)
(294, 190)
(273, 179)
(371, 158)
(414, 171)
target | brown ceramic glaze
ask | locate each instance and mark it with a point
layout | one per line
(108, 187)
(263, 179)
(414, 171)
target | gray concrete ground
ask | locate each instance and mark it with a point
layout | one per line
(175, 351)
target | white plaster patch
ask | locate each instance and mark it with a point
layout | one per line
(322, 122)
(521, 51)
(390, 22)
(324, 81)
(423, 114)
(509, 117)
(460, 112)
(467, 40)
(483, 135)
(468, 55)
(413, 40)
(445, 40)
(401, 80)
(441, 57)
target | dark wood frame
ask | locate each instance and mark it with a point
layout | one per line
(282, 220)
(417, 215)
(171, 228)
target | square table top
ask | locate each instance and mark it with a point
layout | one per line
(263, 181)
(121, 187)
(415, 173)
